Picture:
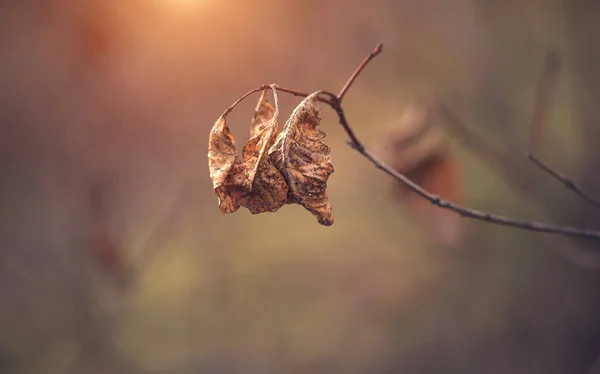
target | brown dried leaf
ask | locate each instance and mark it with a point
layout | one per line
(263, 131)
(263, 114)
(254, 183)
(221, 152)
(269, 189)
(221, 161)
(302, 157)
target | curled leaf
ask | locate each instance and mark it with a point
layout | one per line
(221, 152)
(302, 157)
(263, 130)
(265, 116)
(221, 161)
(291, 168)
(254, 182)
(269, 189)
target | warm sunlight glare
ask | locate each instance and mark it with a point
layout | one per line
(183, 2)
(185, 6)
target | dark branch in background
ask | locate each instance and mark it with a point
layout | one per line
(519, 179)
(334, 101)
(545, 89)
(479, 215)
(568, 183)
(502, 165)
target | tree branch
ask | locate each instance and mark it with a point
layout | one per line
(434, 199)
(334, 102)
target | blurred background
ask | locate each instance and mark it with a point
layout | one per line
(116, 259)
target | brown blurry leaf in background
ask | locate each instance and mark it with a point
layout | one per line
(106, 250)
(300, 154)
(418, 148)
(96, 32)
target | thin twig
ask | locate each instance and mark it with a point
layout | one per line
(228, 110)
(376, 51)
(264, 87)
(568, 183)
(336, 105)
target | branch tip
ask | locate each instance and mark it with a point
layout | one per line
(376, 51)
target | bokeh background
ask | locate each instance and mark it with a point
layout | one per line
(114, 255)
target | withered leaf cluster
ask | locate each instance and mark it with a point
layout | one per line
(291, 167)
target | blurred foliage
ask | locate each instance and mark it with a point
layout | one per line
(127, 92)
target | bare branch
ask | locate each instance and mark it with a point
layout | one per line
(434, 199)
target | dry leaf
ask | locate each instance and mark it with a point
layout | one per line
(268, 187)
(269, 190)
(300, 154)
(221, 160)
(263, 130)
(105, 249)
(291, 168)
(254, 183)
